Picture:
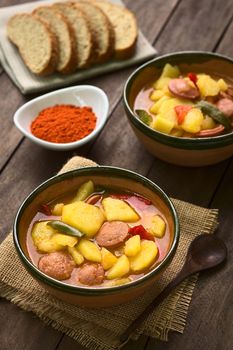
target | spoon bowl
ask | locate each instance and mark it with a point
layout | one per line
(206, 251)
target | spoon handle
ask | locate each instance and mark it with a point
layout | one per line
(155, 302)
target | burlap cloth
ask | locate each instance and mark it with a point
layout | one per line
(99, 329)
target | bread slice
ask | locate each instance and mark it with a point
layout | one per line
(81, 30)
(36, 43)
(125, 28)
(65, 38)
(102, 31)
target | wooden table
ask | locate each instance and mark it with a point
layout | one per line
(171, 25)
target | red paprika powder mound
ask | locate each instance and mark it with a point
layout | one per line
(64, 123)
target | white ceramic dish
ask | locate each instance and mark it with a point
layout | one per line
(82, 95)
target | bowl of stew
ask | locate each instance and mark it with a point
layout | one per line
(180, 107)
(96, 236)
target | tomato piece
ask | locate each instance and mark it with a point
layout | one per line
(193, 77)
(181, 112)
(45, 209)
(142, 232)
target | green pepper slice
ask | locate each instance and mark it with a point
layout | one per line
(64, 228)
(145, 117)
(84, 191)
(215, 113)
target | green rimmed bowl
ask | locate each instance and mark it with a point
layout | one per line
(108, 176)
(178, 150)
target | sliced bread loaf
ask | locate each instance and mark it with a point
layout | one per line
(65, 38)
(81, 30)
(125, 28)
(36, 43)
(102, 31)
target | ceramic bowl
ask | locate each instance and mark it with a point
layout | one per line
(175, 150)
(65, 183)
(83, 95)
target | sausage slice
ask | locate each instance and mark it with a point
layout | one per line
(182, 88)
(112, 234)
(225, 105)
(58, 265)
(91, 274)
(211, 132)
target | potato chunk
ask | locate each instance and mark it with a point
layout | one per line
(41, 231)
(57, 209)
(161, 83)
(145, 257)
(89, 250)
(222, 85)
(118, 210)
(42, 236)
(119, 282)
(107, 258)
(48, 246)
(119, 269)
(78, 258)
(133, 246)
(207, 85)
(85, 217)
(163, 125)
(156, 95)
(158, 226)
(64, 240)
(156, 106)
(169, 104)
(208, 123)
(169, 72)
(193, 121)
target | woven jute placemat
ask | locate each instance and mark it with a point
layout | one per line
(100, 329)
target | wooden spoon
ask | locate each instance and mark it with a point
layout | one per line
(205, 251)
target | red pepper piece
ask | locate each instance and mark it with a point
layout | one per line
(211, 132)
(45, 209)
(181, 112)
(141, 231)
(193, 78)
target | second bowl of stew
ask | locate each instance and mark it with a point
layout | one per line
(180, 106)
(96, 236)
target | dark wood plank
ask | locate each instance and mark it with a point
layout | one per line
(10, 136)
(4, 3)
(195, 25)
(33, 335)
(70, 344)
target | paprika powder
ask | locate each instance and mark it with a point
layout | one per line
(64, 123)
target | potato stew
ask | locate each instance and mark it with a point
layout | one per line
(186, 105)
(98, 237)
